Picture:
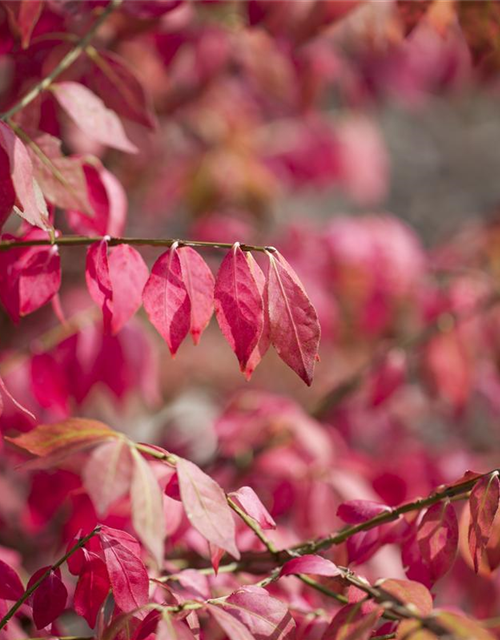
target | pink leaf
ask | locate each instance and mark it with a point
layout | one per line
(388, 377)
(129, 274)
(249, 501)
(39, 280)
(266, 617)
(166, 300)
(409, 592)
(484, 502)
(265, 338)
(5, 391)
(206, 506)
(352, 622)
(437, 538)
(171, 629)
(11, 587)
(92, 116)
(127, 574)
(295, 330)
(49, 600)
(356, 511)
(107, 474)
(99, 280)
(118, 86)
(238, 305)
(315, 565)
(92, 589)
(231, 626)
(147, 507)
(199, 283)
(32, 205)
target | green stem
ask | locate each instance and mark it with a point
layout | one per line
(64, 64)
(26, 595)
(74, 241)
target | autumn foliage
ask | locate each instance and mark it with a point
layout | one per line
(152, 154)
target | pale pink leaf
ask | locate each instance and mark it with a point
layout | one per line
(231, 626)
(147, 507)
(295, 330)
(171, 629)
(5, 391)
(238, 305)
(166, 300)
(409, 592)
(206, 506)
(128, 273)
(31, 205)
(249, 502)
(92, 116)
(199, 283)
(312, 564)
(107, 474)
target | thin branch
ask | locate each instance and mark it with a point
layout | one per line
(75, 241)
(64, 64)
(26, 595)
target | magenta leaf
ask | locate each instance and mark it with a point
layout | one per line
(484, 502)
(99, 280)
(91, 590)
(128, 273)
(249, 501)
(233, 628)
(39, 280)
(264, 342)
(356, 511)
(206, 506)
(266, 617)
(91, 115)
(312, 564)
(127, 573)
(437, 538)
(49, 600)
(238, 305)
(294, 326)
(199, 283)
(166, 299)
(11, 587)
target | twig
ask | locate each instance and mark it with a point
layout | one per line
(66, 62)
(74, 241)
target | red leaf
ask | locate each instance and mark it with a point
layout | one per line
(92, 116)
(39, 280)
(92, 589)
(69, 435)
(484, 502)
(352, 623)
(199, 283)
(206, 506)
(148, 517)
(99, 280)
(315, 565)
(231, 626)
(129, 274)
(127, 574)
(49, 600)
(26, 14)
(249, 501)
(356, 511)
(107, 474)
(120, 89)
(166, 300)
(437, 538)
(238, 305)
(32, 205)
(265, 338)
(11, 587)
(295, 330)
(266, 617)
